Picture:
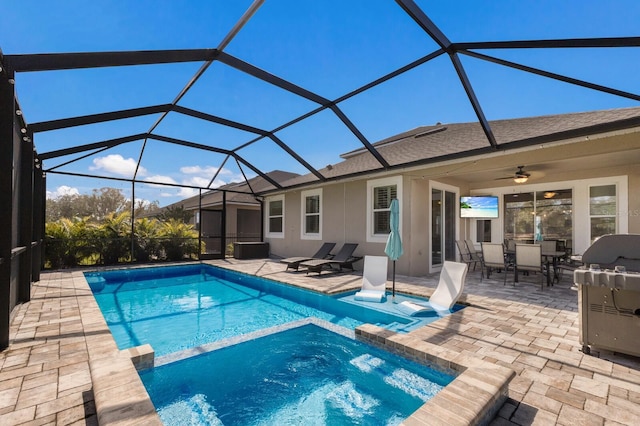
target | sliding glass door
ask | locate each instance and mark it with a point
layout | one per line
(443, 226)
(540, 215)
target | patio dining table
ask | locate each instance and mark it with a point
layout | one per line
(550, 258)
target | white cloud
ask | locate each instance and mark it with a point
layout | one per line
(196, 181)
(187, 192)
(206, 171)
(201, 176)
(218, 183)
(160, 179)
(116, 163)
(193, 170)
(62, 190)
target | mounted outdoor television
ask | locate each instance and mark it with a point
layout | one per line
(479, 207)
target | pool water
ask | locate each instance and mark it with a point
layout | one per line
(306, 375)
(180, 307)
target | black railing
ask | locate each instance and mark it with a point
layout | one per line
(213, 244)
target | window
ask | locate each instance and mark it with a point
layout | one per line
(311, 214)
(602, 210)
(483, 231)
(540, 215)
(379, 195)
(519, 216)
(382, 197)
(275, 217)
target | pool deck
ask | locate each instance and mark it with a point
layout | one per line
(62, 360)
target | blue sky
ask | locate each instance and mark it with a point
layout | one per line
(329, 47)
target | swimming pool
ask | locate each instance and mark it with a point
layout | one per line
(178, 307)
(306, 374)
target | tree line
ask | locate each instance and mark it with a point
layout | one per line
(98, 229)
(97, 205)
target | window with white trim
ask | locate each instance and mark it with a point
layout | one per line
(275, 217)
(311, 210)
(380, 192)
(602, 210)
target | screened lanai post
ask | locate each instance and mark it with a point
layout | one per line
(39, 200)
(261, 201)
(223, 225)
(43, 210)
(133, 219)
(198, 222)
(25, 216)
(7, 140)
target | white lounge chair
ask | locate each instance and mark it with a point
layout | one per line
(449, 290)
(374, 279)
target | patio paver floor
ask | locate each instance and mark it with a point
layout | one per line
(45, 375)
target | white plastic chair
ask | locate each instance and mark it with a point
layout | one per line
(449, 290)
(374, 279)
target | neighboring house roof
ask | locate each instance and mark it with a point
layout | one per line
(432, 144)
(237, 192)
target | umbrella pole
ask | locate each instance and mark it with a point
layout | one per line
(393, 288)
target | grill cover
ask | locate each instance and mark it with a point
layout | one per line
(613, 250)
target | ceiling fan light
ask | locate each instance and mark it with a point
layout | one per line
(520, 179)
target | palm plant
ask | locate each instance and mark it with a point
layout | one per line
(56, 243)
(178, 239)
(146, 239)
(114, 237)
(68, 242)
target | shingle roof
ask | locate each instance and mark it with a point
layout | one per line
(429, 144)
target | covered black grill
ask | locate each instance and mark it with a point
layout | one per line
(609, 294)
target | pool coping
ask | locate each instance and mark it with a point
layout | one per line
(119, 394)
(473, 398)
(477, 392)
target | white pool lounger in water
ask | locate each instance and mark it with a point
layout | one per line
(374, 279)
(449, 290)
(415, 309)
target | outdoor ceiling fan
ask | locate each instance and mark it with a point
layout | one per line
(520, 176)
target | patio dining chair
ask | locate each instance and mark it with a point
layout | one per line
(529, 258)
(549, 246)
(475, 255)
(493, 257)
(465, 256)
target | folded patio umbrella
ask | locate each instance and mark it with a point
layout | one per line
(393, 249)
